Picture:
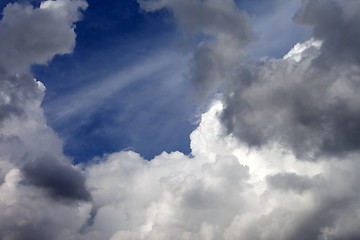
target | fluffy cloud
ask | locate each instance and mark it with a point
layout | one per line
(224, 191)
(33, 36)
(171, 196)
(38, 183)
(309, 104)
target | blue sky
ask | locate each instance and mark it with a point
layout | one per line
(150, 113)
(147, 112)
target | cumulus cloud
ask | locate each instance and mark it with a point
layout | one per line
(307, 102)
(224, 191)
(34, 36)
(171, 196)
(34, 170)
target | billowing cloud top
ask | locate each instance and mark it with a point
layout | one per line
(275, 157)
(30, 36)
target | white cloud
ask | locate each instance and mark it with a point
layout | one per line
(225, 191)
(29, 36)
(298, 50)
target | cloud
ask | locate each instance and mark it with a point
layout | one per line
(27, 214)
(62, 181)
(336, 25)
(29, 36)
(306, 102)
(172, 196)
(290, 181)
(218, 28)
(224, 191)
(34, 36)
(249, 184)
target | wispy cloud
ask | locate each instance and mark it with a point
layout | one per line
(90, 98)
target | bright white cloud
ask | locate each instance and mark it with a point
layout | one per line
(298, 50)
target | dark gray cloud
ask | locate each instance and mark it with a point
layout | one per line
(337, 25)
(309, 105)
(61, 181)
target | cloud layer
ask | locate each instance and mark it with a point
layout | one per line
(275, 157)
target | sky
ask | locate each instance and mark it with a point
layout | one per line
(115, 37)
(179, 119)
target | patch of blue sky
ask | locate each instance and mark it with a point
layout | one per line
(144, 107)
